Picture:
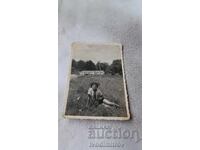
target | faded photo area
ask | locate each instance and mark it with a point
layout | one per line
(97, 87)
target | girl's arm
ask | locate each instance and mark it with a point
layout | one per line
(89, 100)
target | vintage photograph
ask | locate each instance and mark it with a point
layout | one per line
(97, 86)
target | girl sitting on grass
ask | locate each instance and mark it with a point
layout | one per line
(95, 96)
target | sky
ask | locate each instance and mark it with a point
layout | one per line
(96, 52)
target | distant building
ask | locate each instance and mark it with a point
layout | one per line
(96, 72)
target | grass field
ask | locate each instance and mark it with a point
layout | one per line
(112, 88)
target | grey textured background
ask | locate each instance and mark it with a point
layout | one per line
(101, 21)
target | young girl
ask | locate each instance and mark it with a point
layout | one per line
(95, 96)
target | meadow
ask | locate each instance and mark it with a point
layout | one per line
(112, 88)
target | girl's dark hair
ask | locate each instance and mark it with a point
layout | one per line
(94, 83)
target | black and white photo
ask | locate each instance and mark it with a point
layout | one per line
(97, 86)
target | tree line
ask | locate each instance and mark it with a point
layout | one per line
(114, 68)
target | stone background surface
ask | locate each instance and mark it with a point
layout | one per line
(118, 21)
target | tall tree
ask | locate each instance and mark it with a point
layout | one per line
(116, 67)
(81, 65)
(89, 65)
(74, 63)
(102, 66)
(74, 66)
